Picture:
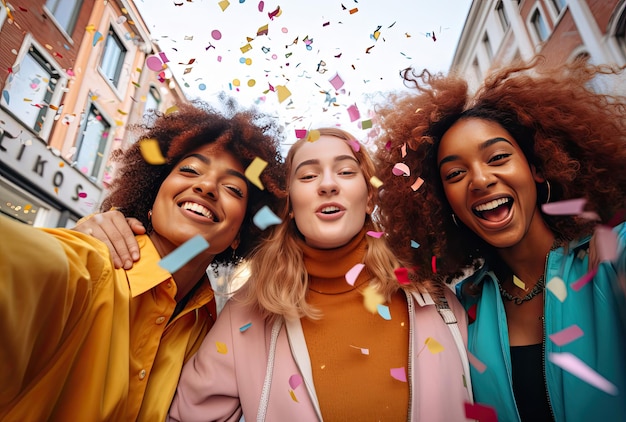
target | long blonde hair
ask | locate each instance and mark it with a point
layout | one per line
(279, 280)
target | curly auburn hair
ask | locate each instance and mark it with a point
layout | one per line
(245, 134)
(574, 136)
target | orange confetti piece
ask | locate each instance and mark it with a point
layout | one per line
(417, 184)
(221, 347)
(293, 396)
(376, 182)
(254, 170)
(433, 345)
(353, 11)
(151, 151)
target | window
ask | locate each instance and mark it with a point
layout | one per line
(504, 20)
(65, 13)
(30, 89)
(620, 33)
(487, 46)
(539, 24)
(153, 99)
(477, 72)
(92, 142)
(558, 5)
(3, 14)
(113, 57)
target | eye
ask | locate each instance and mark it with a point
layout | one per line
(499, 157)
(188, 169)
(347, 172)
(452, 175)
(307, 176)
(236, 190)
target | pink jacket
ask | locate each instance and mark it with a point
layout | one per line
(245, 363)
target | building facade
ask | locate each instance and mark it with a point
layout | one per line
(76, 79)
(499, 31)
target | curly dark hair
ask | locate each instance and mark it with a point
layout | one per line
(246, 134)
(573, 135)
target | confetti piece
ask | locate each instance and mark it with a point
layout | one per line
(567, 207)
(293, 396)
(414, 244)
(254, 170)
(476, 363)
(580, 369)
(356, 147)
(480, 412)
(471, 313)
(82, 195)
(401, 169)
(353, 112)
(163, 57)
(5, 96)
(433, 264)
(283, 93)
(294, 381)
(377, 235)
(418, 183)
(183, 254)
(300, 133)
(566, 335)
(336, 81)
(245, 327)
(151, 151)
(433, 345)
(217, 35)
(353, 273)
(275, 13)
(363, 350)
(261, 6)
(376, 182)
(606, 243)
(383, 311)
(171, 109)
(402, 275)
(519, 283)
(353, 11)
(224, 4)
(265, 218)
(313, 135)
(97, 37)
(558, 288)
(221, 347)
(371, 299)
(399, 374)
(578, 284)
(366, 124)
(246, 48)
(154, 63)
(263, 30)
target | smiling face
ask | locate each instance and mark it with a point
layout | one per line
(206, 193)
(328, 192)
(488, 182)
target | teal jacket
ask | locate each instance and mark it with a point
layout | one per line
(598, 308)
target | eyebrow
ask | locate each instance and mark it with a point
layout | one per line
(207, 160)
(481, 147)
(316, 161)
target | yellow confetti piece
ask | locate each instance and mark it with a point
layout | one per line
(417, 184)
(251, 83)
(122, 112)
(236, 82)
(56, 190)
(61, 164)
(224, 4)
(27, 207)
(246, 48)
(171, 109)
(372, 298)
(519, 283)
(313, 135)
(254, 170)
(558, 288)
(283, 93)
(293, 396)
(376, 182)
(221, 347)
(433, 345)
(91, 28)
(151, 151)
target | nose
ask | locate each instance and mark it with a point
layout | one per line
(206, 186)
(481, 179)
(328, 184)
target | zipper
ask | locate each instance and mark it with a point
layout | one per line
(409, 371)
(543, 342)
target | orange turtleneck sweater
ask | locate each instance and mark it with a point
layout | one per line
(350, 384)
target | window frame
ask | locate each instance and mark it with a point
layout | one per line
(115, 81)
(99, 163)
(51, 8)
(533, 28)
(505, 23)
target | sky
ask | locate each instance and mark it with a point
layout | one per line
(306, 63)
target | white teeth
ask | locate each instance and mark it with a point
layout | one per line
(330, 209)
(197, 208)
(491, 204)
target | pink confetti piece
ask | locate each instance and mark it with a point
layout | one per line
(606, 243)
(399, 374)
(82, 195)
(566, 335)
(580, 369)
(377, 235)
(353, 112)
(300, 133)
(480, 412)
(353, 273)
(567, 207)
(216, 34)
(336, 81)
(578, 284)
(154, 63)
(476, 363)
(401, 169)
(163, 57)
(402, 274)
(261, 6)
(418, 183)
(433, 264)
(294, 381)
(245, 327)
(356, 147)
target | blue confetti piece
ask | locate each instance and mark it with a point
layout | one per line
(383, 311)
(183, 254)
(5, 95)
(245, 327)
(96, 37)
(265, 218)
(414, 244)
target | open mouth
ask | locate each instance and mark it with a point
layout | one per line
(330, 210)
(495, 210)
(199, 210)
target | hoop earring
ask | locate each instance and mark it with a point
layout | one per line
(149, 215)
(548, 189)
(456, 223)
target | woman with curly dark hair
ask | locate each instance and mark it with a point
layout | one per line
(83, 341)
(473, 174)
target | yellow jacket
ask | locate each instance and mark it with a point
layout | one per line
(80, 340)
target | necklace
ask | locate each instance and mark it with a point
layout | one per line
(538, 288)
(333, 293)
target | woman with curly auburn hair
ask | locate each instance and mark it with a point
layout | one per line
(529, 136)
(84, 341)
(297, 342)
